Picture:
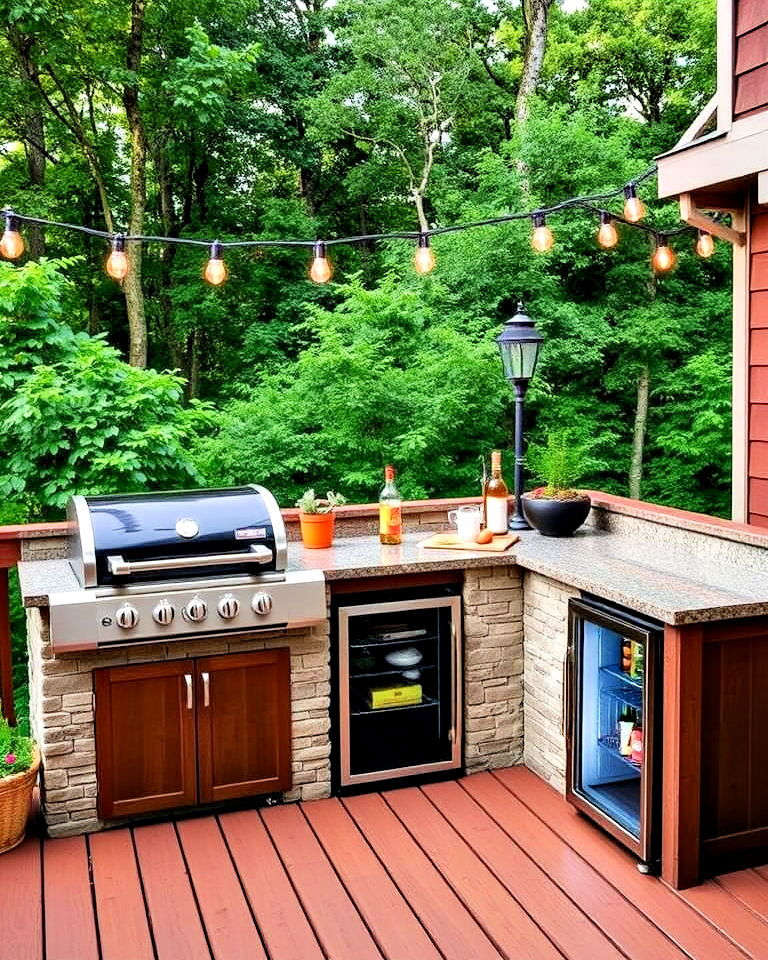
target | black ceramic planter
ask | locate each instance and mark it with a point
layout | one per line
(555, 518)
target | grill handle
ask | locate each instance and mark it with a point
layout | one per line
(119, 567)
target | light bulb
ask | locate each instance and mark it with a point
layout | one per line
(321, 270)
(424, 258)
(542, 240)
(12, 242)
(117, 261)
(634, 208)
(215, 270)
(705, 245)
(607, 235)
(664, 257)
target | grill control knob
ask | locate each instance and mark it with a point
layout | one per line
(196, 610)
(228, 607)
(163, 613)
(126, 616)
(261, 603)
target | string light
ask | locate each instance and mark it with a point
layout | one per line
(705, 244)
(542, 240)
(634, 208)
(215, 270)
(117, 261)
(607, 235)
(424, 258)
(664, 257)
(12, 242)
(321, 270)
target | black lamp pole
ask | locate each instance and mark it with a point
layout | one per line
(519, 344)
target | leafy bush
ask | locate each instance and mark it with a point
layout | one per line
(77, 419)
(560, 462)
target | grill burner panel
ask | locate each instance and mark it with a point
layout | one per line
(156, 567)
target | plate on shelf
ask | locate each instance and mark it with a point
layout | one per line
(405, 657)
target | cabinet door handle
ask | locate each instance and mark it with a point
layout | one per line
(206, 689)
(190, 694)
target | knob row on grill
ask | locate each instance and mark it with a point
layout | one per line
(196, 610)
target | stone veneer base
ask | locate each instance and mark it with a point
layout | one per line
(62, 699)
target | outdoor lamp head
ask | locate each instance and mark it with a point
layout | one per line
(519, 344)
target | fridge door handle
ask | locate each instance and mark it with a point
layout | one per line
(567, 662)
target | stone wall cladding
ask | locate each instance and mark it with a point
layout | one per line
(62, 713)
(546, 644)
(493, 668)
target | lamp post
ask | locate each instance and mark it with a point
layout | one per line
(519, 344)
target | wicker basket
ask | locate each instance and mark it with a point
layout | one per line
(15, 801)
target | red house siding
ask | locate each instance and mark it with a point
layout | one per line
(758, 371)
(751, 58)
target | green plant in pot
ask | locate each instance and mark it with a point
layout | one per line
(19, 763)
(557, 509)
(316, 517)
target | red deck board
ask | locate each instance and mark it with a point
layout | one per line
(332, 914)
(749, 886)
(232, 934)
(595, 896)
(570, 929)
(503, 919)
(659, 903)
(383, 908)
(282, 922)
(731, 916)
(21, 903)
(122, 917)
(70, 930)
(451, 926)
(176, 922)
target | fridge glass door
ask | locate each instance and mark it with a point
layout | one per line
(610, 723)
(399, 695)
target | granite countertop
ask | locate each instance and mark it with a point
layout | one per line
(672, 586)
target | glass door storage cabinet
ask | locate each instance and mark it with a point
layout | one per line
(399, 679)
(614, 723)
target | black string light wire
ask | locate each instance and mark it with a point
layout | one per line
(663, 258)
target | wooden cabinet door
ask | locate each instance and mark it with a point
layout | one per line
(145, 737)
(244, 724)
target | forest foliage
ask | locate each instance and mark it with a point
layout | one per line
(285, 119)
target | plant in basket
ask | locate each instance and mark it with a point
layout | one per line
(19, 763)
(316, 517)
(557, 509)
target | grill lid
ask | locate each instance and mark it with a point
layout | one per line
(142, 537)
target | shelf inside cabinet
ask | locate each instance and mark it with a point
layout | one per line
(359, 644)
(609, 747)
(624, 694)
(615, 671)
(370, 711)
(391, 670)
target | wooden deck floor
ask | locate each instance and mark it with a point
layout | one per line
(493, 865)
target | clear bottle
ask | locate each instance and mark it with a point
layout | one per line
(390, 509)
(496, 496)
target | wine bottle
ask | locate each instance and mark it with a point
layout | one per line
(390, 510)
(626, 725)
(496, 497)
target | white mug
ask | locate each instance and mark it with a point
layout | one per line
(466, 520)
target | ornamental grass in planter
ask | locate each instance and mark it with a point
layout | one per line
(317, 519)
(557, 509)
(19, 763)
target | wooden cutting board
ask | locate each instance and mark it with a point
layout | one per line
(449, 541)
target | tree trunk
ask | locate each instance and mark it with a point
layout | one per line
(33, 135)
(132, 289)
(638, 437)
(536, 16)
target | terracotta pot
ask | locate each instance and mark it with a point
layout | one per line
(556, 518)
(15, 801)
(317, 529)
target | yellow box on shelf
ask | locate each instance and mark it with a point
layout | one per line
(403, 696)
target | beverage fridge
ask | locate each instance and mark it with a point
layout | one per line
(398, 683)
(614, 723)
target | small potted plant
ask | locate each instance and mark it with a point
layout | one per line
(557, 509)
(316, 517)
(19, 763)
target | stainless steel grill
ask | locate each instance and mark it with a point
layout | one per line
(165, 566)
